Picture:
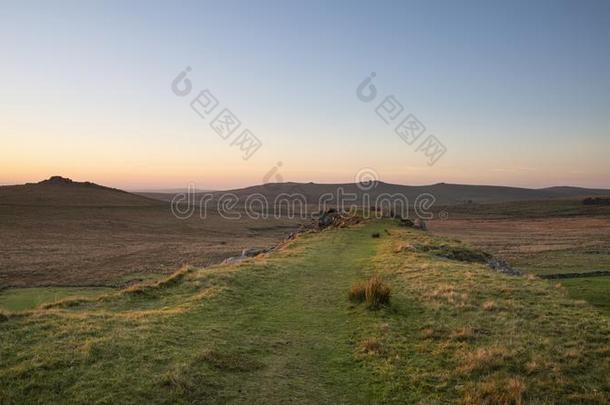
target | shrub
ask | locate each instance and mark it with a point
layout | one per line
(375, 235)
(377, 294)
(357, 293)
(3, 317)
(374, 292)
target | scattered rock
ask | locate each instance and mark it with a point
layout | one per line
(501, 266)
(453, 252)
(328, 218)
(420, 224)
(332, 218)
(406, 222)
(251, 252)
(234, 259)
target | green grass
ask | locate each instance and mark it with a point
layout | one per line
(281, 329)
(19, 299)
(595, 290)
(563, 261)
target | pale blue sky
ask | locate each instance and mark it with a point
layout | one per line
(519, 92)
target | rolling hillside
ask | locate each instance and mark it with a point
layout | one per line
(59, 233)
(446, 194)
(62, 192)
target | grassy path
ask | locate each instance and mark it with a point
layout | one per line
(296, 320)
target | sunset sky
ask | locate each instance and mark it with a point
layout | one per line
(518, 92)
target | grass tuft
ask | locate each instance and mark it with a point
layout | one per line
(377, 293)
(507, 391)
(465, 333)
(490, 305)
(374, 292)
(484, 359)
(371, 346)
(357, 293)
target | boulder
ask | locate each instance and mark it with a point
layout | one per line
(251, 252)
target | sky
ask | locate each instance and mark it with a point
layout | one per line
(515, 93)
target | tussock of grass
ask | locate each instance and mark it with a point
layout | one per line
(374, 292)
(496, 391)
(377, 293)
(357, 293)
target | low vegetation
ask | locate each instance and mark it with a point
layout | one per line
(374, 292)
(278, 329)
(551, 239)
(377, 293)
(357, 293)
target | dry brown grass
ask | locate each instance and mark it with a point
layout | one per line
(465, 333)
(506, 391)
(482, 359)
(448, 294)
(573, 354)
(358, 292)
(490, 305)
(377, 293)
(371, 346)
(374, 292)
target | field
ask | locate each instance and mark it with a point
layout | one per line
(279, 328)
(541, 238)
(114, 246)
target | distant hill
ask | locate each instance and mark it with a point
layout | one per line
(445, 193)
(60, 191)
